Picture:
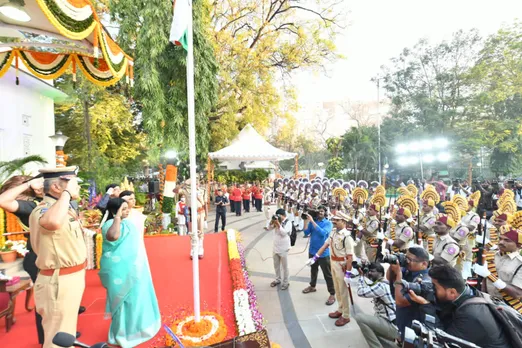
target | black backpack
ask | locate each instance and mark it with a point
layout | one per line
(293, 235)
(508, 317)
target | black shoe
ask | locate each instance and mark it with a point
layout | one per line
(78, 334)
(81, 310)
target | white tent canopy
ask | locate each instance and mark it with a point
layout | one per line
(250, 146)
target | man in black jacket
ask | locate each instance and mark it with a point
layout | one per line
(472, 322)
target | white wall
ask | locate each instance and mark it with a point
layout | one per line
(26, 120)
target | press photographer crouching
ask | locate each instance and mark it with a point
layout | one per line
(473, 322)
(407, 271)
(379, 330)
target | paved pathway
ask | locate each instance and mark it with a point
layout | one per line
(293, 319)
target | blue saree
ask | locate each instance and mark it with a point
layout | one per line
(131, 299)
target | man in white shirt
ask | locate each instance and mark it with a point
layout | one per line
(282, 228)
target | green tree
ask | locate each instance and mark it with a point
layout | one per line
(8, 168)
(103, 139)
(258, 44)
(160, 74)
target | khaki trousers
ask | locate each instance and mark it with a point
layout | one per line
(358, 250)
(281, 261)
(371, 253)
(341, 290)
(377, 331)
(57, 299)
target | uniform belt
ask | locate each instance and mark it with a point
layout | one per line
(65, 270)
(336, 258)
(201, 209)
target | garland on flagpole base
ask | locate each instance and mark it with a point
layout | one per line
(210, 330)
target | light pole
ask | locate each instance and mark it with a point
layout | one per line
(59, 141)
(379, 124)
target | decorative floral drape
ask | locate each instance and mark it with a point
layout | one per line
(76, 20)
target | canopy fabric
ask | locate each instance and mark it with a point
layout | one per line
(249, 145)
(61, 36)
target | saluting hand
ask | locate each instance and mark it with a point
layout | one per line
(120, 211)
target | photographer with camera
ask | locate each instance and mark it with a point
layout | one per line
(406, 269)
(319, 229)
(473, 322)
(380, 329)
(282, 228)
(457, 188)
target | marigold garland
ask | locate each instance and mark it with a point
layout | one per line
(99, 243)
(2, 228)
(13, 224)
(189, 332)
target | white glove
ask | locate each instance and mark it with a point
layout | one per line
(500, 284)
(483, 221)
(380, 234)
(409, 219)
(387, 216)
(311, 261)
(481, 270)
(110, 191)
(360, 228)
(363, 210)
(357, 240)
(355, 221)
(390, 242)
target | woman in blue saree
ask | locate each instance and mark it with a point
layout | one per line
(125, 273)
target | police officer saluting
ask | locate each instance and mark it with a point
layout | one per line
(57, 239)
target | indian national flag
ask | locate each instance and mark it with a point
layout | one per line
(180, 23)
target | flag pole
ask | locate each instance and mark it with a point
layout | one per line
(192, 155)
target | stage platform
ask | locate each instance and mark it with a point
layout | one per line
(172, 276)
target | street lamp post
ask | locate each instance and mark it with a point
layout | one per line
(59, 141)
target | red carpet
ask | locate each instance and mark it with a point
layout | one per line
(172, 275)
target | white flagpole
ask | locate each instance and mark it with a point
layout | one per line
(193, 179)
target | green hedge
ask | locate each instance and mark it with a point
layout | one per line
(237, 176)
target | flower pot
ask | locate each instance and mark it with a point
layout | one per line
(8, 256)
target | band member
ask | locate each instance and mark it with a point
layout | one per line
(504, 277)
(427, 222)
(444, 246)
(368, 232)
(403, 232)
(247, 197)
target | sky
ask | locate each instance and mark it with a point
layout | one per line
(379, 30)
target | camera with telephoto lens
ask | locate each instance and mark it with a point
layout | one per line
(363, 266)
(426, 336)
(309, 211)
(393, 258)
(423, 289)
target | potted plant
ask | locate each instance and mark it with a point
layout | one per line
(11, 249)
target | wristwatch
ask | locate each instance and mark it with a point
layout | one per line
(398, 282)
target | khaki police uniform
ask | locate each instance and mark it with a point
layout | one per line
(461, 234)
(359, 245)
(404, 232)
(471, 220)
(508, 269)
(341, 246)
(427, 221)
(447, 248)
(61, 259)
(372, 227)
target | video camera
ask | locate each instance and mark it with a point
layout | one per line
(309, 211)
(425, 336)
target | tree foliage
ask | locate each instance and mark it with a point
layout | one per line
(160, 71)
(257, 44)
(103, 139)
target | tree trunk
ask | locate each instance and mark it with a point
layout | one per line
(87, 125)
